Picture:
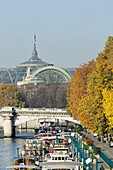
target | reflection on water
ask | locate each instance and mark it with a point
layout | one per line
(8, 147)
(1, 133)
(25, 132)
(21, 132)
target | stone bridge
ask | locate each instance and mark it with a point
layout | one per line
(12, 117)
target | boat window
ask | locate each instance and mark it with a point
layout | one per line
(59, 158)
(52, 158)
(26, 152)
(55, 158)
(62, 158)
(36, 152)
(31, 152)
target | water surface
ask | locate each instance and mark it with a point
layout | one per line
(8, 147)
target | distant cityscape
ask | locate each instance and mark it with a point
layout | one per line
(35, 71)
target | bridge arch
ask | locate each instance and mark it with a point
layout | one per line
(9, 121)
(23, 119)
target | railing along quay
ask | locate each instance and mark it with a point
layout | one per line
(86, 156)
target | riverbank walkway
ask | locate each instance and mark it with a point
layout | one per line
(108, 151)
(104, 147)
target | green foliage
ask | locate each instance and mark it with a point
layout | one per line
(74, 130)
(96, 151)
(24, 146)
(86, 147)
(71, 127)
(78, 131)
(81, 134)
(46, 145)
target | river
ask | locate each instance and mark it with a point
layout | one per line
(8, 146)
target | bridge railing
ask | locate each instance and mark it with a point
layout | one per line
(34, 109)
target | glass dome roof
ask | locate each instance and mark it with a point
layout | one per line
(34, 60)
(36, 64)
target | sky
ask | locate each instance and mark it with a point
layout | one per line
(69, 32)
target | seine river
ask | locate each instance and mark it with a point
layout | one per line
(8, 147)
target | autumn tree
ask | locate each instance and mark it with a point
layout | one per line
(108, 105)
(101, 78)
(85, 96)
(78, 87)
(85, 115)
(10, 96)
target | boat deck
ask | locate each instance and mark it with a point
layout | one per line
(60, 165)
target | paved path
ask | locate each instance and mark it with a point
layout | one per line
(108, 151)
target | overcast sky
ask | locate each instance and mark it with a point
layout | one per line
(69, 32)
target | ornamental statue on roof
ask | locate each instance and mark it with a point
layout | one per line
(27, 79)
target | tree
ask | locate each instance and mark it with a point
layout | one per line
(108, 46)
(78, 87)
(10, 96)
(85, 96)
(108, 105)
(51, 96)
(85, 115)
(100, 78)
(61, 101)
(45, 96)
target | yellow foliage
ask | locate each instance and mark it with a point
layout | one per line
(87, 99)
(108, 105)
(77, 88)
(10, 96)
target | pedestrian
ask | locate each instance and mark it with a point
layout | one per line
(99, 138)
(104, 139)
